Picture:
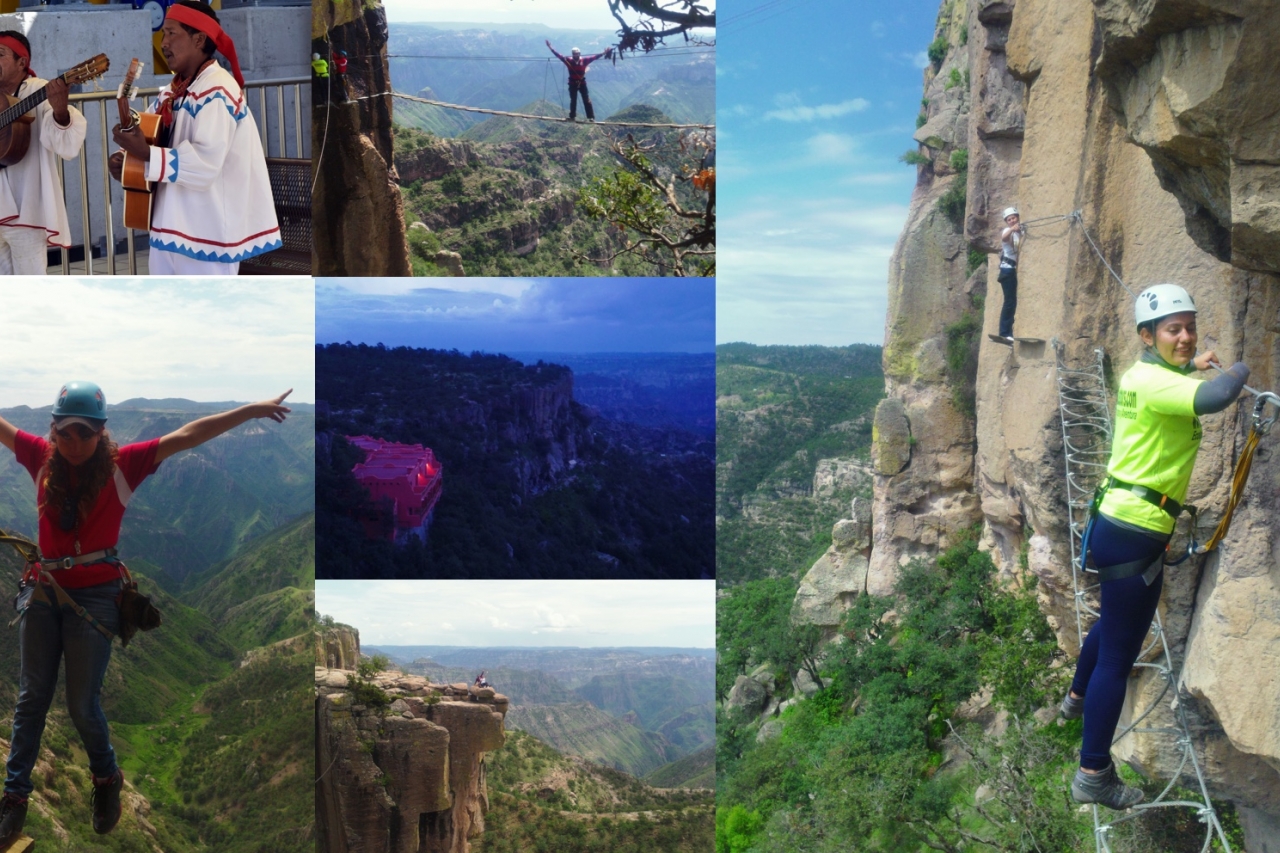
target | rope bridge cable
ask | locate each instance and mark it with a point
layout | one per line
(526, 115)
(1086, 438)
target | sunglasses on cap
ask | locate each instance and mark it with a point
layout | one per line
(79, 431)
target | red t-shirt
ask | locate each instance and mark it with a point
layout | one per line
(101, 529)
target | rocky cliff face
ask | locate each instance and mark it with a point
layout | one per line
(409, 778)
(338, 648)
(1159, 120)
(357, 212)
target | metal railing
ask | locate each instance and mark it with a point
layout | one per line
(277, 107)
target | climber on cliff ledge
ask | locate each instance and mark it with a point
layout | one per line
(1157, 434)
(577, 65)
(1010, 242)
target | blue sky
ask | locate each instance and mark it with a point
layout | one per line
(815, 102)
(520, 315)
(581, 613)
(207, 340)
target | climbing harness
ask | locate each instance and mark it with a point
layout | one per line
(136, 610)
(1086, 441)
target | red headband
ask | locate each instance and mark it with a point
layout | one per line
(20, 50)
(202, 22)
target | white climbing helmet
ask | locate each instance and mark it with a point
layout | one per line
(1161, 300)
(315, 56)
(576, 52)
(1009, 211)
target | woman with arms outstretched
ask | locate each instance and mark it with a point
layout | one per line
(83, 484)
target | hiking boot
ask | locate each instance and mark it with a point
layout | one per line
(106, 802)
(13, 814)
(1105, 789)
(1072, 707)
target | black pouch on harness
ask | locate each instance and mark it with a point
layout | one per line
(137, 613)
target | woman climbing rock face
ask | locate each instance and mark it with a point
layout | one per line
(83, 484)
(1154, 445)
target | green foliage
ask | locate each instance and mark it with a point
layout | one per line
(952, 201)
(856, 767)
(953, 79)
(361, 687)
(921, 120)
(780, 410)
(753, 626)
(960, 159)
(975, 260)
(915, 157)
(962, 360)
(737, 829)
(452, 184)
(938, 50)
(964, 35)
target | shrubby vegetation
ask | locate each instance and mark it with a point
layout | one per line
(879, 759)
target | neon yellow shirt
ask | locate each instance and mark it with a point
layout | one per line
(1156, 438)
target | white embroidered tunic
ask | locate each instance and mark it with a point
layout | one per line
(30, 192)
(212, 195)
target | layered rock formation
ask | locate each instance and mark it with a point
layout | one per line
(356, 208)
(408, 778)
(1159, 121)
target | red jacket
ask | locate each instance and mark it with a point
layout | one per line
(577, 67)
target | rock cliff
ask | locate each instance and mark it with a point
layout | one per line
(1159, 121)
(408, 777)
(357, 211)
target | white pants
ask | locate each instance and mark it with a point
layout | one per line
(23, 251)
(172, 263)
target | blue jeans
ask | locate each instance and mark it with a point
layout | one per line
(45, 635)
(1113, 645)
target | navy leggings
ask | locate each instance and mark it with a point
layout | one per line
(1114, 643)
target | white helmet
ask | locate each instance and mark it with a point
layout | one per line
(576, 52)
(1161, 300)
(1009, 211)
(315, 56)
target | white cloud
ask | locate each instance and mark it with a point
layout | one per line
(830, 147)
(199, 339)
(526, 613)
(799, 112)
(919, 60)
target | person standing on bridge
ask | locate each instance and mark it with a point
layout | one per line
(577, 65)
(1154, 445)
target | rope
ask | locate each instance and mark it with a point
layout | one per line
(536, 118)
(328, 105)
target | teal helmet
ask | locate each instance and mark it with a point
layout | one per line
(81, 402)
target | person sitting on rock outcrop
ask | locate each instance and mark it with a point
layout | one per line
(1010, 242)
(83, 484)
(1157, 435)
(577, 65)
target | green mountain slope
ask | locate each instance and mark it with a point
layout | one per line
(693, 771)
(542, 800)
(265, 594)
(779, 412)
(584, 730)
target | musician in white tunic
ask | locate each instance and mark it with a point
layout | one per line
(212, 207)
(33, 216)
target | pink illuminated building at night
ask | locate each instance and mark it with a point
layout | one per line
(407, 475)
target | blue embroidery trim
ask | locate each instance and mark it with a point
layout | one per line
(224, 258)
(173, 165)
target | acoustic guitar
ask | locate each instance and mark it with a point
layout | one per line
(137, 189)
(16, 115)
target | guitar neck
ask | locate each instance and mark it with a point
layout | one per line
(26, 105)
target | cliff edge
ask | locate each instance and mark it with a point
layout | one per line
(1158, 120)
